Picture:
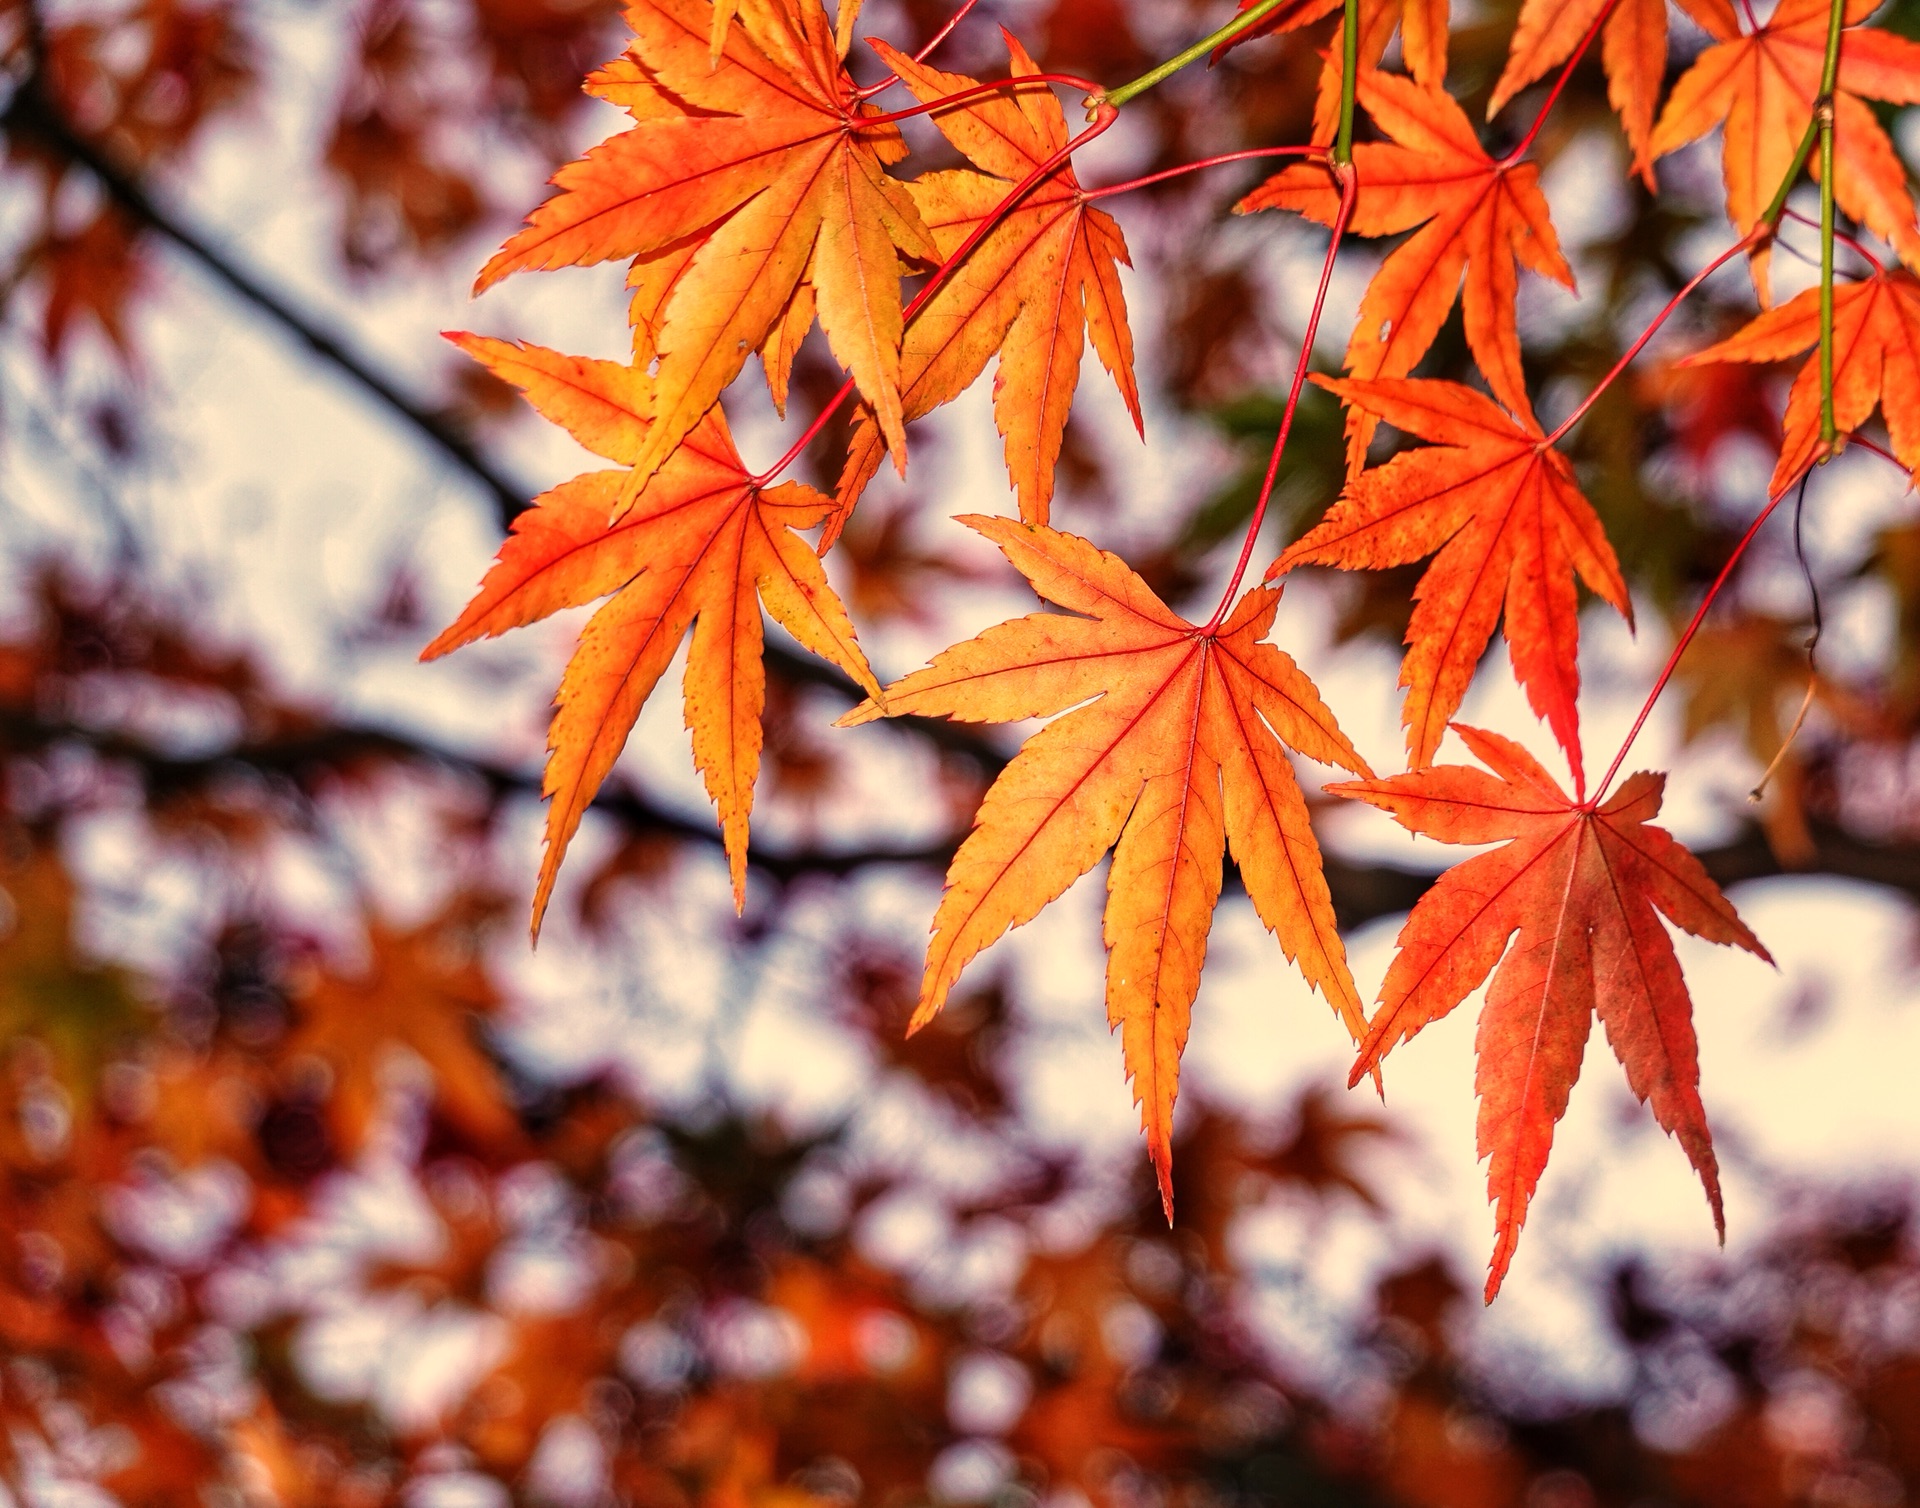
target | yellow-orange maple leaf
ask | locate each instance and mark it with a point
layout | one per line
(748, 173)
(1479, 219)
(1502, 510)
(1876, 360)
(1041, 282)
(1763, 87)
(1581, 886)
(1178, 752)
(1633, 46)
(702, 547)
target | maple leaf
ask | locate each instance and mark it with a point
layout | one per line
(411, 993)
(1042, 281)
(1876, 360)
(1477, 219)
(1581, 886)
(1499, 510)
(749, 174)
(1763, 86)
(1633, 46)
(1178, 752)
(703, 547)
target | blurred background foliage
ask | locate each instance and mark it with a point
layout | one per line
(291, 1210)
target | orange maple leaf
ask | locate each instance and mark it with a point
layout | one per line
(1179, 751)
(751, 175)
(1502, 510)
(1633, 46)
(1763, 86)
(416, 992)
(703, 547)
(1045, 278)
(1478, 217)
(1581, 885)
(1876, 360)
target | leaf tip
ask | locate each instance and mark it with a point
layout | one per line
(931, 999)
(542, 894)
(1163, 1176)
(498, 266)
(874, 707)
(1502, 1259)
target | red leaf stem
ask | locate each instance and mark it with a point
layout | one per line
(1686, 638)
(1349, 180)
(1105, 116)
(1553, 95)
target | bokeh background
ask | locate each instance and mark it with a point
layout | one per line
(319, 1186)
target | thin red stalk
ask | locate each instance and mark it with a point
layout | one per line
(807, 435)
(1318, 153)
(946, 31)
(950, 100)
(1553, 95)
(1886, 455)
(1686, 638)
(923, 54)
(1105, 117)
(1841, 236)
(1647, 334)
(1349, 192)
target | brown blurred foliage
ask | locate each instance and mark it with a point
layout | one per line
(597, 1298)
(646, 1305)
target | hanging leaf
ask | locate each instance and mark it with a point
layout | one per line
(1583, 888)
(1511, 530)
(763, 160)
(1045, 278)
(1478, 221)
(1762, 86)
(703, 547)
(1179, 752)
(1876, 361)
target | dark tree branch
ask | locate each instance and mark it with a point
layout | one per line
(34, 118)
(1361, 892)
(30, 114)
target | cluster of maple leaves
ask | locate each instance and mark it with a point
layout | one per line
(753, 195)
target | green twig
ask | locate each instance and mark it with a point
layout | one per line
(1349, 76)
(1823, 116)
(1246, 20)
(1771, 219)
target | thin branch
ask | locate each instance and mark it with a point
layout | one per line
(32, 116)
(1686, 638)
(1349, 80)
(1750, 239)
(1361, 892)
(1348, 178)
(1246, 20)
(1129, 185)
(1823, 113)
